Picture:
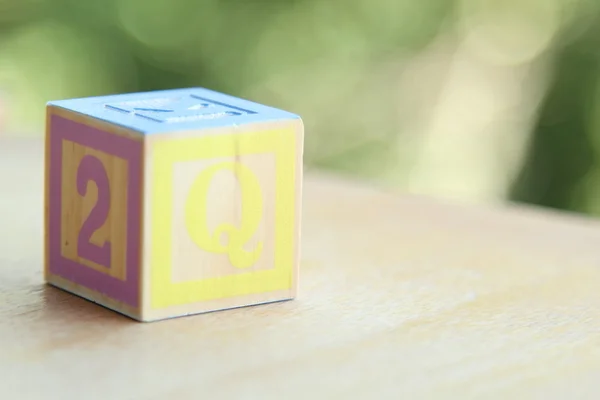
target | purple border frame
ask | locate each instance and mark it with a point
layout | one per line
(126, 291)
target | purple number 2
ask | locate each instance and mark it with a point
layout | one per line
(92, 169)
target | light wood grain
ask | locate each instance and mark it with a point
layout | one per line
(400, 297)
(234, 165)
(77, 208)
(80, 194)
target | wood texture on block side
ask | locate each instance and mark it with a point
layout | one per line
(47, 194)
(142, 224)
(227, 249)
(88, 121)
(94, 296)
(77, 209)
(93, 203)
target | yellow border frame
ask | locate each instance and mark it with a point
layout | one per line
(282, 143)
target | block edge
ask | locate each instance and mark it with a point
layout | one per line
(98, 299)
(95, 122)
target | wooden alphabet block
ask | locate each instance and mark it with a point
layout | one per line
(169, 203)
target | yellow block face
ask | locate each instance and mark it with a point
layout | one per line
(223, 216)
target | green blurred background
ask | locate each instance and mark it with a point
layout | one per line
(476, 100)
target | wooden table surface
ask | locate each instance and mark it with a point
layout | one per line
(400, 297)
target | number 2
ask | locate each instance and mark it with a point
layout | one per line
(91, 169)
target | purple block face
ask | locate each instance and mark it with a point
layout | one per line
(91, 169)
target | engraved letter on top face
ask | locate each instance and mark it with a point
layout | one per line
(179, 109)
(92, 169)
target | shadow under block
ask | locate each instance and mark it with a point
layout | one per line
(169, 203)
